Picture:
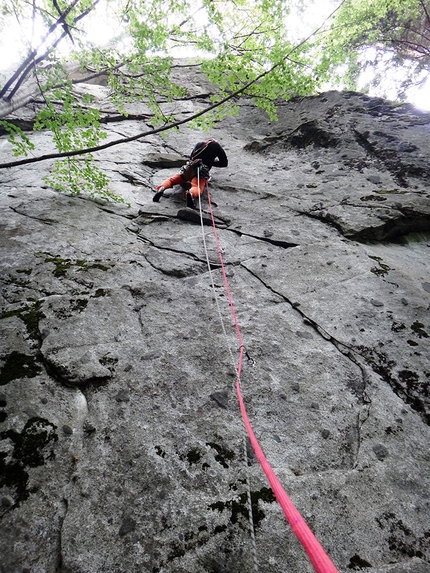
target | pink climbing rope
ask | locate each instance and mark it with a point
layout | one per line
(321, 562)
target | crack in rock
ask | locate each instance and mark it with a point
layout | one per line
(275, 242)
(380, 367)
(47, 221)
(400, 222)
(61, 519)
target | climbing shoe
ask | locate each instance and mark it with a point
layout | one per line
(157, 195)
(190, 202)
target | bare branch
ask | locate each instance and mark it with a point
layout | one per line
(30, 62)
(424, 7)
(65, 26)
(190, 17)
(26, 66)
(34, 64)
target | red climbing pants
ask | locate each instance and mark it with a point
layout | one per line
(177, 179)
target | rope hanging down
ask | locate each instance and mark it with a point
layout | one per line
(321, 562)
(245, 458)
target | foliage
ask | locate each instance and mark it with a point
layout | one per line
(243, 45)
(256, 40)
(387, 36)
(21, 144)
(239, 41)
(78, 174)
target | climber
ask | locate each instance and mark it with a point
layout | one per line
(194, 175)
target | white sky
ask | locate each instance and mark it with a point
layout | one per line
(10, 45)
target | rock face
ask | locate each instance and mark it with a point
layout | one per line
(122, 443)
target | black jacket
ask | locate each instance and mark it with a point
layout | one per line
(213, 155)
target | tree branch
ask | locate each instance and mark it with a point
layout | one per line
(33, 65)
(65, 26)
(26, 67)
(175, 124)
(426, 12)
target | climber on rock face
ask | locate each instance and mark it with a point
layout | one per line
(194, 175)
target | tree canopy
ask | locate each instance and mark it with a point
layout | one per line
(243, 46)
(389, 36)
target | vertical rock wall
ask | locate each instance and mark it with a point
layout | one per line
(121, 438)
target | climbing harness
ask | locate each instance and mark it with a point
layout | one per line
(315, 552)
(192, 168)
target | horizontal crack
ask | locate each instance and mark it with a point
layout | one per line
(42, 220)
(275, 242)
(323, 219)
(213, 266)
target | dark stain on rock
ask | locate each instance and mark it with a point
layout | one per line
(418, 328)
(223, 454)
(177, 550)
(188, 541)
(310, 133)
(393, 154)
(88, 428)
(30, 450)
(382, 269)
(109, 363)
(159, 450)
(86, 266)
(30, 315)
(18, 366)
(413, 384)
(127, 526)
(406, 384)
(402, 541)
(194, 456)
(397, 327)
(372, 198)
(380, 451)
(63, 265)
(99, 292)
(123, 396)
(79, 304)
(221, 398)
(356, 385)
(239, 506)
(67, 430)
(357, 563)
